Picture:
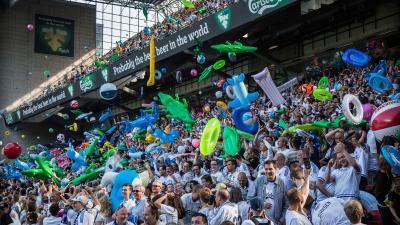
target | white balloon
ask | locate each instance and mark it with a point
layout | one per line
(218, 94)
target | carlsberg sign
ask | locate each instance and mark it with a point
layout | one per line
(258, 6)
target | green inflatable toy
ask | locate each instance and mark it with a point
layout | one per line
(247, 136)
(89, 175)
(305, 127)
(92, 148)
(210, 135)
(335, 123)
(177, 110)
(231, 141)
(321, 94)
(323, 82)
(188, 4)
(206, 73)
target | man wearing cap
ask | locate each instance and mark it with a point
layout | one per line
(82, 216)
(140, 200)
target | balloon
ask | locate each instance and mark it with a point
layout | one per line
(29, 27)
(221, 112)
(178, 76)
(65, 116)
(305, 127)
(392, 156)
(230, 92)
(152, 62)
(193, 72)
(105, 115)
(46, 72)
(209, 137)
(108, 91)
(7, 133)
(222, 105)
(12, 150)
(74, 104)
(147, 31)
(164, 70)
(219, 64)
(205, 73)
(323, 82)
(337, 86)
(231, 141)
(196, 143)
(218, 94)
(51, 130)
(242, 98)
(308, 88)
(232, 56)
(237, 117)
(123, 177)
(220, 83)
(322, 94)
(264, 80)
(368, 111)
(347, 99)
(177, 110)
(201, 59)
(207, 108)
(158, 75)
(356, 58)
(386, 120)
(22, 136)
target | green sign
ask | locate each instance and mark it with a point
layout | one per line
(86, 83)
(223, 18)
(54, 36)
(70, 89)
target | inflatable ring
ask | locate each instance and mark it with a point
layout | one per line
(205, 74)
(323, 82)
(237, 117)
(219, 64)
(356, 58)
(392, 156)
(347, 99)
(379, 83)
(210, 136)
(157, 75)
(178, 76)
(322, 95)
(222, 105)
(7, 132)
(230, 92)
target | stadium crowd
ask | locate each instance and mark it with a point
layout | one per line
(339, 177)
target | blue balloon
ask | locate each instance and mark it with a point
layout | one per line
(201, 59)
(163, 70)
(147, 30)
(124, 177)
(356, 58)
(237, 117)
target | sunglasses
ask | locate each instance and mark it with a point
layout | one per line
(135, 191)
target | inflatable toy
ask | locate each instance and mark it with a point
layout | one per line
(164, 70)
(322, 95)
(380, 70)
(195, 143)
(21, 165)
(83, 116)
(386, 120)
(218, 94)
(264, 80)
(221, 112)
(88, 175)
(356, 58)
(209, 137)
(237, 117)
(12, 151)
(108, 91)
(357, 118)
(108, 179)
(323, 82)
(187, 4)
(29, 27)
(392, 156)
(222, 105)
(205, 74)
(166, 138)
(219, 64)
(232, 56)
(152, 62)
(178, 76)
(307, 88)
(242, 98)
(220, 83)
(147, 31)
(368, 111)
(143, 121)
(395, 96)
(207, 108)
(158, 75)
(51, 130)
(231, 141)
(201, 59)
(177, 110)
(105, 115)
(193, 72)
(305, 127)
(248, 136)
(248, 118)
(236, 47)
(65, 116)
(92, 148)
(123, 177)
(379, 83)
(230, 92)
(74, 104)
(337, 86)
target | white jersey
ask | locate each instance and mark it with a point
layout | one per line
(243, 209)
(190, 207)
(217, 177)
(371, 142)
(226, 212)
(330, 212)
(295, 218)
(346, 183)
(361, 157)
(330, 187)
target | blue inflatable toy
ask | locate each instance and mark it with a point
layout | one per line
(221, 112)
(111, 130)
(240, 124)
(105, 115)
(395, 96)
(379, 83)
(356, 58)
(242, 97)
(21, 165)
(78, 158)
(164, 137)
(143, 121)
(392, 156)
(380, 69)
(124, 177)
(158, 74)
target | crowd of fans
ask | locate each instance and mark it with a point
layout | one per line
(339, 177)
(171, 24)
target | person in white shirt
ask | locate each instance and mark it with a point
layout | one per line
(295, 214)
(215, 174)
(324, 190)
(140, 200)
(345, 176)
(53, 219)
(126, 194)
(191, 203)
(82, 217)
(197, 173)
(121, 217)
(227, 211)
(244, 184)
(231, 176)
(164, 177)
(354, 212)
(329, 212)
